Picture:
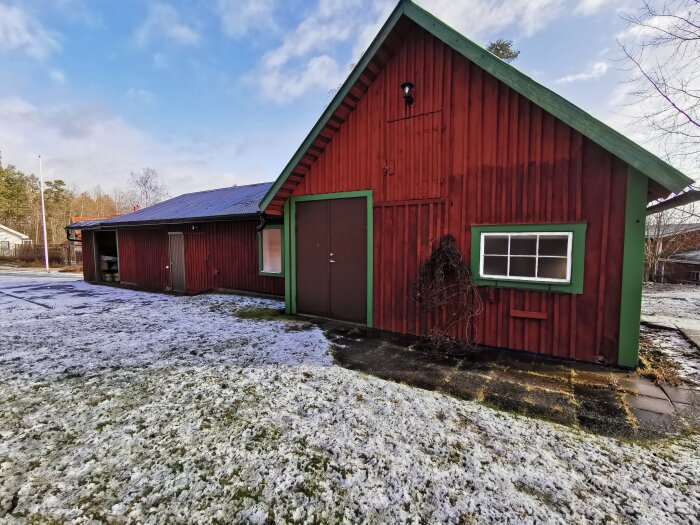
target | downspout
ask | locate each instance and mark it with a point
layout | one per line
(261, 225)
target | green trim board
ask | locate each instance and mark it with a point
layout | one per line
(290, 254)
(260, 250)
(286, 259)
(632, 269)
(578, 252)
(606, 137)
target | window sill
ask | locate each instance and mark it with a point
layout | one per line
(527, 285)
(268, 274)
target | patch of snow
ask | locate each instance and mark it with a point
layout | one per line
(126, 406)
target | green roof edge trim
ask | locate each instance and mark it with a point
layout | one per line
(614, 142)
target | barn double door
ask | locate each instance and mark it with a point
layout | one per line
(331, 258)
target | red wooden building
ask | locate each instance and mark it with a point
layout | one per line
(198, 242)
(433, 135)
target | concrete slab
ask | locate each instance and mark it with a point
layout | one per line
(585, 395)
(652, 425)
(651, 404)
(682, 395)
(693, 335)
(640, 386)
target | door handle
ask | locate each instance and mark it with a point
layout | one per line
(332, 261)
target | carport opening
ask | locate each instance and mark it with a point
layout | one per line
(107, 256)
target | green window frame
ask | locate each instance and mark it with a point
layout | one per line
(261, 262)
(577, 248)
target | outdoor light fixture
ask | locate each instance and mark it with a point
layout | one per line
(407, 88)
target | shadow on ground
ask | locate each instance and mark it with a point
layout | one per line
(599, 399)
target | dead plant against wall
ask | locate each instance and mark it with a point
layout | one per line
(446, 291)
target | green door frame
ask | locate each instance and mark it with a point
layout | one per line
(290, 270)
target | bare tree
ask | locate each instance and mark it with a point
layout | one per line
(662, 49)
(146, 188)
(669, 233)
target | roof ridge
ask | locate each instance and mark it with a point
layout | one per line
(219, 189)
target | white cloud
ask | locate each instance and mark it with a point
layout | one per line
(57, 76)
(596, 70)
(20, 31)
(480, 17)
(319, 73)
(163, 23)
(307, 59)
(88, 145)
(313, 47)
(241, 17)
(140, 95)
(591, 7)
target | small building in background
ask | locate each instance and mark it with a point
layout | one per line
(673, 253)
(197, 242)
(11, 240)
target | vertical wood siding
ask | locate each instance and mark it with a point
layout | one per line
(88, 256)
(143, 257)
(472, 151)
(217, 255)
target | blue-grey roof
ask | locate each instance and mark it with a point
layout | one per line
(210, 204)
(79, 225)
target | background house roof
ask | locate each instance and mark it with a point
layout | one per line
(689, 257)
(667, 230)
(13, 232)
(209, 204)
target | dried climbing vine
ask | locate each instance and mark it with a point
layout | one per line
(445, 289)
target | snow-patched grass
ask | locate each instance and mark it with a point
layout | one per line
(129, 406)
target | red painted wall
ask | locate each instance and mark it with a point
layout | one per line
(217, 255)
(143, 257)
(88, 257)
(472, 151)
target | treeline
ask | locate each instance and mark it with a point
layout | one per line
(20, 201)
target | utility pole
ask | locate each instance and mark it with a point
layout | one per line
(43, 216)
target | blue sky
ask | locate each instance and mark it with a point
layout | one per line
(221, 92)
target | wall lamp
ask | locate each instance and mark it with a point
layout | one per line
(407, 88)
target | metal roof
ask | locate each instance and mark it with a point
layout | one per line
(84, 224)
(209, 204)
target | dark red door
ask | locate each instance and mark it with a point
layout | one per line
(312, 266)
(177, 261)
(331, 258)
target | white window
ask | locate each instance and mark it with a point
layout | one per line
(4, 246)
(271, 250)
(544, 257)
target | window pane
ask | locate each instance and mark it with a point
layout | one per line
(554, 245)
(522, 266)
(495, 265)
(552, 268)
(523, 245)
(272, 250)
(495, 245)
